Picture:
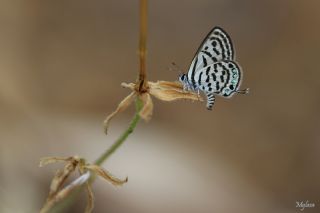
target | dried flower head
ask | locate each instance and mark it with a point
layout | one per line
(58, 192)
(163, 90)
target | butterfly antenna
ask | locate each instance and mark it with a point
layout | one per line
(243, 91)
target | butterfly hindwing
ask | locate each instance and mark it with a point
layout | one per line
(222, 78)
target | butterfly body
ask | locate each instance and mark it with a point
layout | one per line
(213, 69)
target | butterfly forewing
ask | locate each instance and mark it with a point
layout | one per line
(217, 46)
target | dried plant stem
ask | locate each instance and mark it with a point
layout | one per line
(123, 136)
(142, 43)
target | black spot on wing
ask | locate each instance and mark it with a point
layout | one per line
(214, 77)
(214, 43)
(214, 59)
(208, 70)
(204, 61)
(217, 86)
(199, 79)
(208, 78)
(221, 79)
(207, 53)
(216, 52)
(225, 40)
(222, 47)
(215, 67)
(194, 72)
(207, 73)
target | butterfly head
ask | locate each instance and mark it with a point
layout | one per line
(183, 78)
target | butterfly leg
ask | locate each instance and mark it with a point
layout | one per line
(198, 93)
(210, 100)
(186, 87)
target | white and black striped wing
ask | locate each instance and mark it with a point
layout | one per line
(222, 78)
(217, 46)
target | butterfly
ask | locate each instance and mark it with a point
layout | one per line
(213, 69)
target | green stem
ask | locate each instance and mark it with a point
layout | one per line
(123, 136)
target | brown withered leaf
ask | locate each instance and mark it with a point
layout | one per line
(171, 91)
(105, 175)
(123, 105)
(167, 91)
(48, 160)
(62, 174)
(57, 192)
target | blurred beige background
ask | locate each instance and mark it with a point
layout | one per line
(61, 65)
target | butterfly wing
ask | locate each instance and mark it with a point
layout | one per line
(217, 46)
(222, 78)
